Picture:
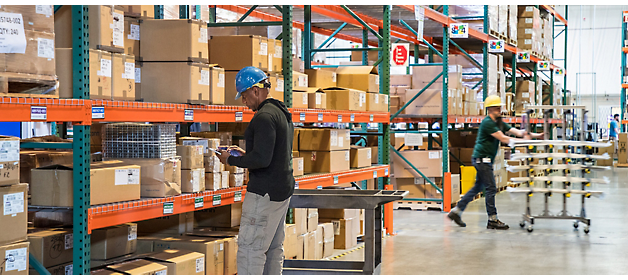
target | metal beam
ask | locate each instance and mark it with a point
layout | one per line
(332, 36)
(356, 17)
(286, 46)
(429, 45)
(466, 54)
(307, 37)
(416, 96)
(244, 23)
(247, 13)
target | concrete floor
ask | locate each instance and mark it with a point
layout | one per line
(426, 242)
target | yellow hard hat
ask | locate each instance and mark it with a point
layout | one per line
(493, 101)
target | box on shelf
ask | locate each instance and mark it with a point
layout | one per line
(297, 166)
(106, 28)
(223, 216)
(166, 225)
(290, 242)
(251, 51)
(230, 89)
(343, 232)
(376, 102)
(213, 181)
(300, 220)
(19, 263)
(123, 77)
(217, 85)
(192, 180)
(34, 17)
(139, 267)
(300, 99)
(213, 249)
(9, 160)
(230, 241)
(180, 262)
(321, 78)
(430, 102)
(320, 161)
(317, 99)
(139, 11)
(364, 78)
(345, 99)
(401, 80)
(61, 269)
(360, 157)
(236, 180)
(100, 73)
(132, 36)
(190, 80)
(276, 87)
(51, 247)
(191, 156)
(110, 182)
(299, 81)
(428, 162)
(14, 208)
(275, 56)
(309, 246)
(38, 57)
(223, 137)
(312, 219)
(159, 177)
(115, 241)
(324, 139)
(158, 36)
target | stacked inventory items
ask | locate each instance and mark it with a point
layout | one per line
(493, 20)
(192, 170)
(512, 24)
(547, 37)
(323, 150)
(205, 161)
(529, 29)
(13, 248)
(320, 79)
(524, 96)
(430, 102)
(134, 140)
(28, 52)
(112, 63)
(545, 173)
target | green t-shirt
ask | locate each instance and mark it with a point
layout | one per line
(486, 145)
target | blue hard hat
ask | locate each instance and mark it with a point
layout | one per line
(248, 77)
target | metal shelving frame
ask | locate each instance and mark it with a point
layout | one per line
(624, 83)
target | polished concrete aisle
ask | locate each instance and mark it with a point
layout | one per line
(426, 242)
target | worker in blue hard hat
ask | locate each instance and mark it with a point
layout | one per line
(268, 157)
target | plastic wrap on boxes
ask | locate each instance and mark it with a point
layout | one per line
(512, 22)
(171, 11)
(493, 18)
(503, 19)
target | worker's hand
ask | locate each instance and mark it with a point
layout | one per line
(237, 149)
(223, 156)
(539, 135)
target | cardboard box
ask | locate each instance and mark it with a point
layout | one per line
(376, 102)
(225, 138)
(180, 262)
(321, 78)
(362, 78)
(106, 28)
(35, 17)
(191, 156)
(216, 85)
(300, 246)
(328, 239)
(337, 214)
(52, 247)
(123, 77)
(9, 160)
(401, 80)
(192, 180)
(317, 99)
(430, 102)
(100, 72)
(251, 51)
(212, 164)
(234, 169)
(144, 11)
(132, 36)
(358, 56)
(35, 159)
(299, 81)
(319, 161)
(213, 181)
(111, 242)
(325, 139)
(312, 219)
(345, 99)
(223, 216)
(360, 157)
(290, 242)
(225, 179)
(230, 90)
(409, 184)
(61, 269)
(190, 80)
(300, 220)
(374, 154)
(276, 87)
(199, 140)
(236, 180)
(110, 182)
(230, 240)
(140, 267)
(622, 143)
(297, 166)
(19, 262)
(428, 162)
(14, 208)
(309, 246)
(213, 249)
(275, 56)
(343, 233)
(38, 57)
(158, 36)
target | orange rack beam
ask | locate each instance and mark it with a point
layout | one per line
(624, 49)
(624, 85)
(317, 181)
(551, 10)
(473, 119)
(331, 116)
(18, 109)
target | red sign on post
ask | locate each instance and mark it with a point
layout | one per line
(400, 54)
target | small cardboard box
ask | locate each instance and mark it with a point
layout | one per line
(191, 82)
(276, 86)
(360, 157)
(158, 36)
(213, 181)
(309, 246)
(19, 262)
(362, 78)
(212, 164)
(343, 232)
(213, 249)
(325, 139)
(52, 247)
(297, 166)
(299, 81)
(100, 71)
(110, 182)
(345, 99)
(216, 85)
(317, 99)
(180, 262)
(312, 219)
(123, 77)
(319, 161)
(191, 156)
(376, 102)
(167, 225)
(9, 160)
(132, 36)
(300, 220)
(14, 213)
(300, 99)
(192, 180)
(236, 180)
(225, 179)
(140, 267)
(321, 78)
(290, 242)
(251, 51)
(275, 56)
(111, 242)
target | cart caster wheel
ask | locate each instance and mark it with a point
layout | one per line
(586, 230)
(575, 225)
(530, 229)
(522, 224)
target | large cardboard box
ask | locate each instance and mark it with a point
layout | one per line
(34, 17)
(300, 98)
(276, 86)
(216, 85)
(343, 232)
(360, 157)
(140, 267)
(52, 247)
(192, 180)
(100, 71)
(180, 262)
(38, 57)
(191, 156)
(362, 78)
(35, 159)
(14, 213)
(106, 27)
(9, 160)
(224, 216)
(111, 242)
(213, 249)
(158, 36)
(18, 263)
(300, 220)
(317, 99)
(622, 144)
(189, 80)
(309, 246)
(290, 242)
(321, 78)
(275, 56)
(345, 99)
(319, 161)
(297, 166)
(430, 102)
(132, 36)
(251, 51)
(312, 219)
(110, 182)
(428, 162)
(123, 77)
(325, 139)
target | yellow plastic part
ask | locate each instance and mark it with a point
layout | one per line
(568, 195)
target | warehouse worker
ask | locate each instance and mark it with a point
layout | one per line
(490, 133)
(268, 157)
(614, 131)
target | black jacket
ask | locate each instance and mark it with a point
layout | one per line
(269, 151)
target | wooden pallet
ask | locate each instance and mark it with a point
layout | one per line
(417, 205)
(28, 85)
(622, 165)
(512, 42)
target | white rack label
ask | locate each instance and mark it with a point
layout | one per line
(188, 115)
(138, 75)
(204, 78)
(134, 33)
(320, 117)
(203, 37)
(221, 80)
(38, 113)
(263, 48)
(13, 203)
(118, 29)
(168, 208)
(300, 165)
(238, 116)
(238, 196)
(16, 259)
(44, 10)
(386, 172)
(528, 20)
(132, 233)
(339, 118)
(278, 51)
(12, 37)
(371, 118)
(302, 117)
(319, 187)
(105, 68)
(129, 71)
(335, 181)
(162, 272)
(374, 174)
(98, 112)
(9, 151)
(216, 200)
(69, 241)
(200, 264)
(46, 48)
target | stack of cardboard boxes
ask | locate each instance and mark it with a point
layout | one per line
(214, 176)
(529, 29)
(323, 150)
(192, 165)
(346, 227)
(622, 149)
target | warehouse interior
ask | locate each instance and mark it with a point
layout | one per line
(410, 125)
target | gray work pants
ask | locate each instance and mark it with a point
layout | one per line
(262, 232)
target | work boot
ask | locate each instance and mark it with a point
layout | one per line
(496, 224)
(456, 218)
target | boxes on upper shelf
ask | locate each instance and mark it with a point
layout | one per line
(38, 57)
(19, 262)
(100, 73)
(325, 139)
(345, 99)
(34, 17)
(106, 27)
(123, 77)
(158, 36)
(191, 82)
(275, 57)
(14, 209)
(362, 78)
(360, 156)
(300, 98)
(376, 102)
(9, 160)
(216, 85)
(251, 51)
(321, 78)
(325, 161)
(317, 99)
(132, 37)
(276, 87)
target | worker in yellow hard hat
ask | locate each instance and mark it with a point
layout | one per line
(492, 131)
